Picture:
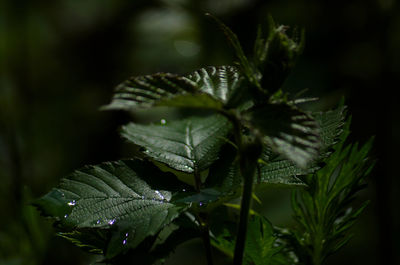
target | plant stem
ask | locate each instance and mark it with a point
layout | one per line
(205, 231)
(249, 149)
(206, 240)
(247, 170)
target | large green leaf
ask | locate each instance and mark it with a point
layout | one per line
(190, 145)
(288, 131)
(162, 89)
(276, 169)
(208, 88)
(112, 196)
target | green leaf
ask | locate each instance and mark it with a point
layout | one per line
(282, 173)
(287, 130)
(224, 174)
(112, 196)
(223, 83)
(276, 169)
(259, 248)
(190, 145)
(161, 89)
(207, 88)
(331, 125)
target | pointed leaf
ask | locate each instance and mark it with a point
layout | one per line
(159, 90)
(287, 130)
(189, 145)
(275, 168)
(222, 83)
(208, 88)
(112, 196)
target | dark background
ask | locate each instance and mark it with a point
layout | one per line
(60, 60)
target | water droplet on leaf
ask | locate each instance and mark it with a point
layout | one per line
(160, 195)
(72, 203)
(111, 222)
(163, 121)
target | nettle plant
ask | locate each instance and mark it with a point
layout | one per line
(247, 135)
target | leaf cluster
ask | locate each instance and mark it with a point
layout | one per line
(190, 168)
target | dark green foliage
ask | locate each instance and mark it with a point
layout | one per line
(245, 134)
(288, 131)
(323, 211)
(260, 246)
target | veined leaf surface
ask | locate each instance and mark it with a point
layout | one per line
(112, 196)
(220, 82)
(277, 169)
(288, 131)
(331, 125)
(189, 145)
(208, 88)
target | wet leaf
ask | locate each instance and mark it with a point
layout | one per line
(112, 196)
(189, 145)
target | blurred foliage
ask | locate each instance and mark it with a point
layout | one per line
(59, 61)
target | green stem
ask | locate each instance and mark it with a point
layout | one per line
(203, 220)
(249, 149)
(247, 170)
(207, 244)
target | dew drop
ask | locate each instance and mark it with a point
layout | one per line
(163, 121)
(127, 234)
(98, 222)
(72, 203)
(65, 216)
(124, 242)
(200, 204)
(183, 190)
(111, 222)
(142, 197)
(160, 195)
